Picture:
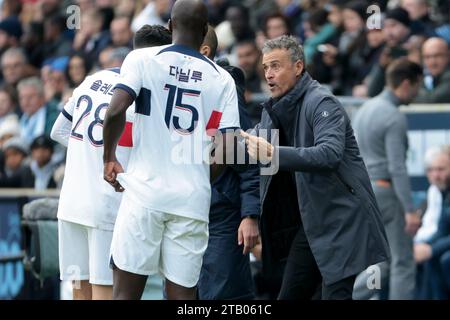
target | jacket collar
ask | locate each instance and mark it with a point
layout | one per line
(388, 95)
(291, 96)
(438, 78)
(284, 111)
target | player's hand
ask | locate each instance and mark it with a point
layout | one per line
(248, 233)
(110, 171)
(258, 148)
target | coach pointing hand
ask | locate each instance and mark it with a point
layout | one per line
(258, 148)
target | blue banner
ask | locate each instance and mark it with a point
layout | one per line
(11, 273)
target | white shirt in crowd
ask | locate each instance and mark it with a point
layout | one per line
(431, 216)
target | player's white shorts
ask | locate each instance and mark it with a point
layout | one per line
(146, 241)
(84, 253)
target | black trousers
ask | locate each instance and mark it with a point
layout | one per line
(302, 279)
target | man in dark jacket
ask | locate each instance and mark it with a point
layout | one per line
(233, 217)
(436, 59)
(321, 179)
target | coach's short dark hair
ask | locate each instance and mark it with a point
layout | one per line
(402, 69)
(150, 36)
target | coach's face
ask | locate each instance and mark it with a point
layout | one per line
(280, 72)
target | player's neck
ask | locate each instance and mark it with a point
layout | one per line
(188, 41)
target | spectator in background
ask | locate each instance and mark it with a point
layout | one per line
(41, 164)
(438, 172)
(436, 60)
(14, 67)
(10, 33)
(381, 131)
(322, 27)
(236, 28)
(370, 53)
(217, 10)
(78, 68)
(414, 48)
(238, 16)
(8, 105)
(436, 168)
(16, 172)
(31, 41)
(85, 5)
(420, 19)
(249, 60)
(91, 39)
(56, 81)
(121, 34)
(397, 30)
(259, 10)
(292, 10)
(56, 44)
(48, 8)
(276, 25)
(434, 253)
(126, 8)
(345, 62)
(38, 117)
(155, 12)
(353, 60)
(10, 8)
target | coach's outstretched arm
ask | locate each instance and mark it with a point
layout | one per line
(112, 130)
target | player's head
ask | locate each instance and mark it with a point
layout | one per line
(189, 22)
(209, 45)
(151, 36)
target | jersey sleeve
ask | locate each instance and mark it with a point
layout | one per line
(130, 78)
(230, 114)
(61, 129)
(67, 110)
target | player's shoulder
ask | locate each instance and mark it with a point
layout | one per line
(227, 77)
(223, 72)
(144, 53)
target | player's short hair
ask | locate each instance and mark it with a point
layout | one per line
(211, 41)
(152, 35)
(402, 69)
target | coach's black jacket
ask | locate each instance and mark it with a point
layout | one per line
(337, 206)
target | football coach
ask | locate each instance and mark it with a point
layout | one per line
(319, 208)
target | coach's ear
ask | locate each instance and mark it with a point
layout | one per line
(170, 25)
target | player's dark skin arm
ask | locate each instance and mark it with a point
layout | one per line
(112, 130)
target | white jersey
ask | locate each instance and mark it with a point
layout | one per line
(85, 197)
(179, 95)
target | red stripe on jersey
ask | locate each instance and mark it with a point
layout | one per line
(126, 140)
(213, 123)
